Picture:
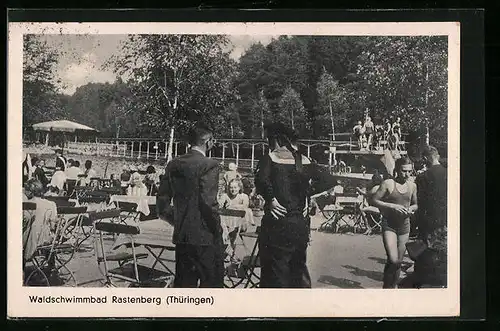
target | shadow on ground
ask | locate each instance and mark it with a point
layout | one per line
(375, 275)
(339, 282)
(377, 259)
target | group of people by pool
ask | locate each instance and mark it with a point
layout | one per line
(189, 198)
(369, 136)
(286, 180)
(68, 174)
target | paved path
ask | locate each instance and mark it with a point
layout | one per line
(334, 260)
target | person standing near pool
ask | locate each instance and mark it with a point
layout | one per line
(191, 182)
(397, 200)
(369, 130)
(283, 178)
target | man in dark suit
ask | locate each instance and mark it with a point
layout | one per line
(431, 265)
(191, 181)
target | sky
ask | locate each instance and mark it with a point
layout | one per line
(84, 56)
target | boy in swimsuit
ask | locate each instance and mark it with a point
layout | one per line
(358, 133)
(369, 130)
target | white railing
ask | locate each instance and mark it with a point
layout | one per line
(243, 152)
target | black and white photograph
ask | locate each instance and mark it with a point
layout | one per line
(225, 159)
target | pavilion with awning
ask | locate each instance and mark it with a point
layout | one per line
(62, 128)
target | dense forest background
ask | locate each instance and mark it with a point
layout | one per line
(317, 84)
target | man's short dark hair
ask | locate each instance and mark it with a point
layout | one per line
(76, 163)
(199, 134)
(430, 152)
(88, 164)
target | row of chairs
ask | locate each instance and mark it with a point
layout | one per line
(72, 232)
(341, 215)
(53, 258)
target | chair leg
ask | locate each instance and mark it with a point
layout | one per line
(38, 268)
(135, 262)
(63, 266)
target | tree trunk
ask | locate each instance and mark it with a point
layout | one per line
(293, 124)
(170, 144)
(427, 134)
(426, 87)
(331, 118)
(262, 123)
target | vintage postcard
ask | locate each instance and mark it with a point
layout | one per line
(233, 169)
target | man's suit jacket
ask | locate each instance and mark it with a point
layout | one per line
(192, 182)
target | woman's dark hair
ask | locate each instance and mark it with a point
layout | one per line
(88, 164)
(284, 136)
(76, 164)
(150, 169)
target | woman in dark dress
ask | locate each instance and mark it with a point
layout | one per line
(285, 179)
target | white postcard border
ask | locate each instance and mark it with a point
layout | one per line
(239, 302)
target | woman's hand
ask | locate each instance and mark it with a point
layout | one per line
(277, 210)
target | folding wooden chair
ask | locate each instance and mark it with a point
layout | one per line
(65, 203)
(29, 209)
(87, 200)
(95, 183)
(38, 262)
(230, 249)
(243, 272)
(130, 212)
(48, 259)
(74, 231)
(80, 192)
(123, 259)
(110, 190)
(58, 199)
(350, 214)
(330, 210)
(373, 220)
(114, 216)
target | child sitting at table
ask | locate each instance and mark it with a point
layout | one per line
(234, 198)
